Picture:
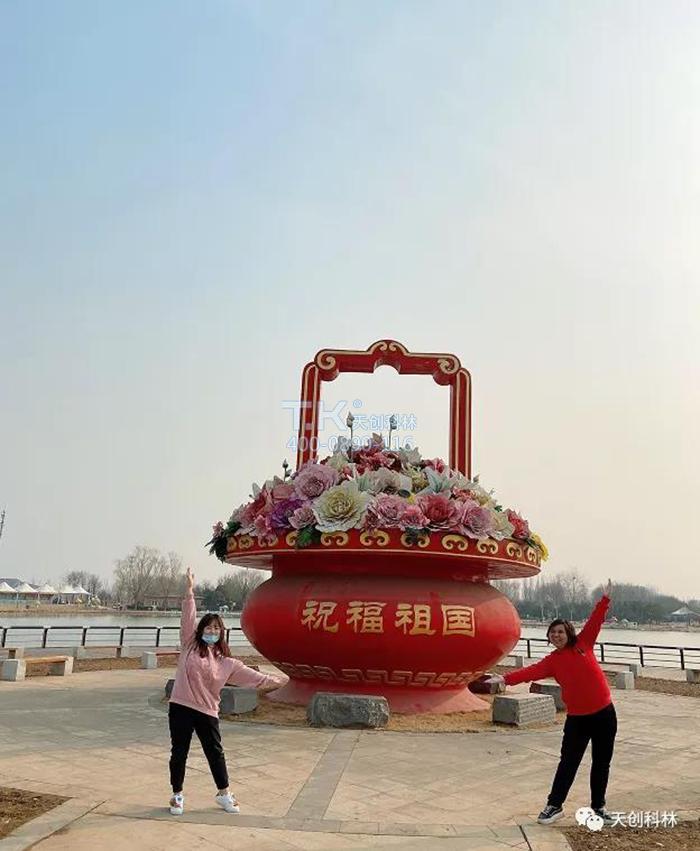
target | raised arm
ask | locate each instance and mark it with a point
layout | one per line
(589, 633)
(242, 675)
(538, 671)
(188, 617)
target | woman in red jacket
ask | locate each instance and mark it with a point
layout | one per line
(590, 711)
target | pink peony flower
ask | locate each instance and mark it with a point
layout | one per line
(437, 464)
(284, 490)
(441, 512)
(313, 479)
(218, 529)
(413, 518)
(260, 505)
(522, 528)
(303, 516)
(385, 510)
(477, 522)
(263, 530)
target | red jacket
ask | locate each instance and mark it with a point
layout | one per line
(584, 688)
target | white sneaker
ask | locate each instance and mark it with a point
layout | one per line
(177, 804)
(228, 802)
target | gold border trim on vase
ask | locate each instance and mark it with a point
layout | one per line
(370, 537)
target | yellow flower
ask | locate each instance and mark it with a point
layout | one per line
(539, 543)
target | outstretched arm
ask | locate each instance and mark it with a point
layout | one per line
(538, 671)
(188, 617)
(590, 631)
(242, 675)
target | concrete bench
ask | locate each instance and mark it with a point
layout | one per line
(551, 688)
(518, 660)
(14, 670)
(81, 652)
(522, 710)
(692, 675)
(233, 699)
(15, 652)
(624, 680)
(149, 659)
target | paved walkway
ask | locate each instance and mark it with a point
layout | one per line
(102, 739)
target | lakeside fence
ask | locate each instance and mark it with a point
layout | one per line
(101, 636)
(614, 652)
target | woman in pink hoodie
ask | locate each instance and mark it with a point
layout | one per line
(204, 667)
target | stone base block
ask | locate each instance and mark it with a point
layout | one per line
(358, 711)
(522, 710)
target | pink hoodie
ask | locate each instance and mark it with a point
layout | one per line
(199, 679)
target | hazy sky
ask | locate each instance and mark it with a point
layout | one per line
(197, 196)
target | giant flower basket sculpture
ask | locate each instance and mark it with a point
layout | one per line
(380, 559)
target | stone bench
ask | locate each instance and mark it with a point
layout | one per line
(234, 700)
(692, 675)
(14, 670)
(356, 711)
(522, 710)
(624, 680)
(149, 659)
(15, 652)
(551, 688)
(518, 660)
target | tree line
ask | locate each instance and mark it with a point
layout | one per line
(147, 576)
(568, 595)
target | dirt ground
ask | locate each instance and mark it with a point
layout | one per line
(284, 714)
(685, 836)
(17, 807)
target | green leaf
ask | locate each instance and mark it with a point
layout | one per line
(307, 536)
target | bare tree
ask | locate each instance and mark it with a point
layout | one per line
(169, 577)
(574, 590)
(134, 576)
(91, 582)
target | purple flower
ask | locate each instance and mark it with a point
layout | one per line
(303, 516)
(313, 479)
(282, 512)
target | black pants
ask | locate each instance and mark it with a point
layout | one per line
(183, 722)
(599, 728)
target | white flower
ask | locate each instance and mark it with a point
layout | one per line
(502, 527)
(341, 507)
(438, 482)
(411, 457)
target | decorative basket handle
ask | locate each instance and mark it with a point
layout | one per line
(445, 369)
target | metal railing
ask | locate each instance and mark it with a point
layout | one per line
(101, 636)
(652, 655)
(619, 653)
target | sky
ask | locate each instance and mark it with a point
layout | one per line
(196, 197)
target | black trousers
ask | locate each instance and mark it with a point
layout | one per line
(598, 728)
(183, 721)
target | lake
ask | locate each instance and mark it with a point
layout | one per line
(666, 638)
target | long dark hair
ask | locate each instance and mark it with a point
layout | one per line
(221, 648)
(568, 629)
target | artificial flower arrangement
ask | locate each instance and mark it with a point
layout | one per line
(372, 487)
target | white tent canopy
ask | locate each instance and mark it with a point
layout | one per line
(66, 590)
(6, 589)
(45, 589)
(24, 588)
(78, 589)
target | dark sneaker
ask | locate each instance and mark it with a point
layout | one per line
(605, 815)
(550, 814)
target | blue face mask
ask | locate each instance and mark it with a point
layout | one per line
(209, 638)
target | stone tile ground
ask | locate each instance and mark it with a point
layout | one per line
(102, 738)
